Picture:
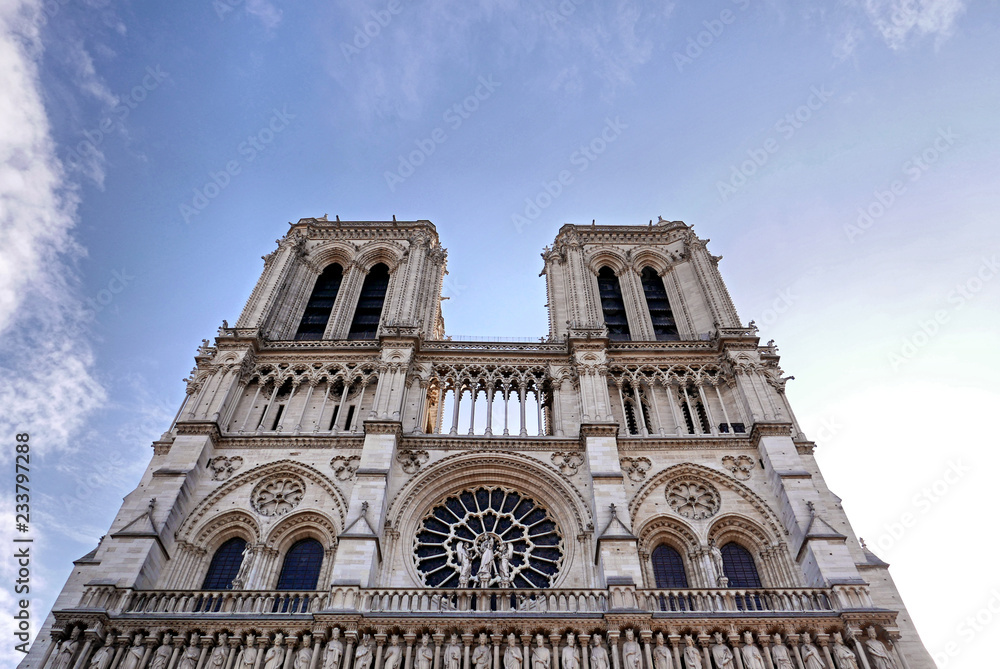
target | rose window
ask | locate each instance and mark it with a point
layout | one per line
(278, 496)
(488, 537)
(693, 499)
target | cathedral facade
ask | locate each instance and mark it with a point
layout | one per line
(346, 487)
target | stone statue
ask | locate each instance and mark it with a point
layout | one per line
(248, 656)
(481, 656)
(570, 653)
(811, 657)
(541, 657)
(240, 582)
(453, 654)
(393, 654)
(363, 653)
(879, 653)
(275, 656)
(512, 656)
(506, 555)
(779, 651)
(464, 564)
(722, 654)
(67, 649)
(485, 565)
(425, 654)
(334, 650)
(717, 563)
(692, 658)
(133, 654)
(661, 654)
(189, 660)
(598, 655)
(102, 658)
(752, 657)
(631, 653)
(162, 655)
(304, 657)
(844, 656)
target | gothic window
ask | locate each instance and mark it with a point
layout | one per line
(631, 417)
(668, 568)
(690, 400)
(664, 325)
(613, 305)
(225, 565)
(300, 570)
(320, 303)
(369, 310)
(488, 537)
(739, 567)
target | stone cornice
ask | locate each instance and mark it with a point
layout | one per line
(768, 429)
(482, 442)
(598, 430)
(352, 442)
(378, 426)
(195, 427)
(686, 442)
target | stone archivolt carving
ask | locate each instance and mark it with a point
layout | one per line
(488, 536)
(345, 466)
(568, 463)
(277, 495)
(741, 466)
(411, 460)
(223, 467)
(693, 499)
(636, 468)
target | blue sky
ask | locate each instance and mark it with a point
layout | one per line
(841, 156)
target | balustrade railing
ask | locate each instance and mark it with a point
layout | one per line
(441, 601)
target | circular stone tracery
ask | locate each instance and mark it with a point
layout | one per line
(277, 496)
(488, 522)
(693, 499)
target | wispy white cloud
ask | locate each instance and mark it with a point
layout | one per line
(896, 20)
(265, 12)
(47, 385)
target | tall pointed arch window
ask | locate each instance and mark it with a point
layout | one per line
(664, 325)
(320, 304)
(300, 570)
(225, 565)
(613, 305)
(369, 310)
(739, 566)
(668, 568)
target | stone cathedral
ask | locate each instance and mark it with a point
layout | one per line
(346, 487)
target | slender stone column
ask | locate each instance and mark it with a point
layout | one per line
(900, 658)
(85, 652)
(793, 642)
(438, 640)
(262, 644)
(675, 647)
(496, 650)
(584, 640)
(379, 644)
(823, 641)
(526, 644)
(704, 640)
(554, 642)
(734, 641)
(457, 394)
(408, 660)
(522, 395)
(860, 652)
(765, 644)
(647, 650)
(467, 641)
(613, 648)
(290, 641)
(317, 645)
(149, 643)
(349, 650)
(122, 642)
(206, 642)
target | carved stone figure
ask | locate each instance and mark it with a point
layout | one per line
(661, 654)
(570, 653)
(102, 658)
(722, 654)
(162, 654)
(481, 656)
(240, 582)
(67, 649)
(811, 656)
(363, 653)
(541, 656)
(485, 565)
(464, 564)
(512, 656)
(275, 656)
(453, 654)
(631, 653)
(393, 654)
(752, 657)
(304, 657)
(881, 659)
(720, 571)
(133, 654)
(692, 658)
(334, 650)
(598, 655)
(779, 651)
(844, 656)
(248, 656)
(189, 660)
(425, 654)
(506, 555)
